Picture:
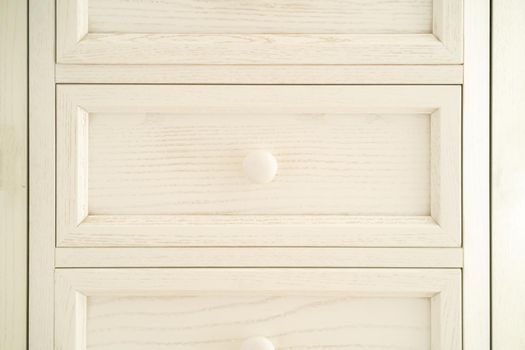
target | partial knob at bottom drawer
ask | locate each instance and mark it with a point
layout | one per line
(257, 343)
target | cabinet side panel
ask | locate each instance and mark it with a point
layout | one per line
(508, 170)
(13, 174)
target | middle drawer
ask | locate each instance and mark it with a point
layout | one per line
(163, 165)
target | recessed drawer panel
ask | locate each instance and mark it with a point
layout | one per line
(259, 32)
(258, 165)
(219, 309)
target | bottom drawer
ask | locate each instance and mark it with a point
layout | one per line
(218, 309)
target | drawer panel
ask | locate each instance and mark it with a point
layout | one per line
(363, 164)
(163, 165)
(259, 32)
(201, 309)
(264, 16)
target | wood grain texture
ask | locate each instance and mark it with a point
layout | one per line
(223, 322)
(476, 173)
(141, 181)
(259, 257)
(42, 173)
(508, 170)
(191, 164)
(266, 16)
(448, 25)
(13, 174)
(103, 48)
(218, 308)
(258, 74)
(115, 36)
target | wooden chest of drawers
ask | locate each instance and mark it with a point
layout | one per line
(256, 175)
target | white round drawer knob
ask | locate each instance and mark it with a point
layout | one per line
(260, 166)
(257, 343)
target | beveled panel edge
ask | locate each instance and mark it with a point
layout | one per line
(259, 74)
(240, 231)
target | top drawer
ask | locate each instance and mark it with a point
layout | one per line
(260, 32)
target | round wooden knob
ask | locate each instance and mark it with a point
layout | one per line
(257, 343)
(260, 166)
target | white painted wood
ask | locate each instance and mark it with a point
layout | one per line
(13, 174)
(259, 257)
(476, 182)
(107, 288)
(41, 174)
(508, 170)
(268, 32)
(371, 166)
(187, 163)
(260, 74)
(264, 16)
(219, 308)
(223, 322)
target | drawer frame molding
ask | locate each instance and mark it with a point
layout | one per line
(259, 74)
(260, 257)
(476, 177)
(75, 44)
(442, 287)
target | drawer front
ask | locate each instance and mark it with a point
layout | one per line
(217, 309)
(260, 32)
(163, 165)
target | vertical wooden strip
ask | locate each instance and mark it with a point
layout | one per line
(476, 182)
(13, 174)
(508, 175)
(42, 172)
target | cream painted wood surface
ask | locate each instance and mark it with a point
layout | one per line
(186, 163)
(161, 165)
(218, 308)
(149, 286)
(476, 181)
(508, 175)
(41, 174)
(219, 322)
(13, 174)
(265, 32)
(259, 257)
(265, 16)
(260, 74)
